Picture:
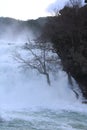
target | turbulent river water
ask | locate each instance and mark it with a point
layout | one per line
(28, 103)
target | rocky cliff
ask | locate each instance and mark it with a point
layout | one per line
(68, 34)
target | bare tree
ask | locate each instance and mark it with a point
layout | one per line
(41, 58)
(75, 3)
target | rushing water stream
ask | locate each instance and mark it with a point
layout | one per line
(28, 103)
(44, 119)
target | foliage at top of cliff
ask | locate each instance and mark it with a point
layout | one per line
(68, 34)
(69, 28)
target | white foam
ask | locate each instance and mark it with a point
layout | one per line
(21, 89)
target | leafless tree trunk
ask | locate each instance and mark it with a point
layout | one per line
(42, 62)
(48, 79)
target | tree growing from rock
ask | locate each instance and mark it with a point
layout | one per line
(41, 58)
(68, 35)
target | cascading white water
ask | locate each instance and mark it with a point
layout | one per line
(22, 91)
(20, 88)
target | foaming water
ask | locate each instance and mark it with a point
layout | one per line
(21, 88)
(25, 88)
(27, 102)
(44, 119)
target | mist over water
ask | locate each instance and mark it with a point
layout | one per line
(25, 88)
(26, 100)
(21, 88)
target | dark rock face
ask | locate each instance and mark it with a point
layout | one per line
(68, 33)
(75, 63)
(74, 54)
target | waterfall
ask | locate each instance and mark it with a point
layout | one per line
(25, 88)
(28, 102)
